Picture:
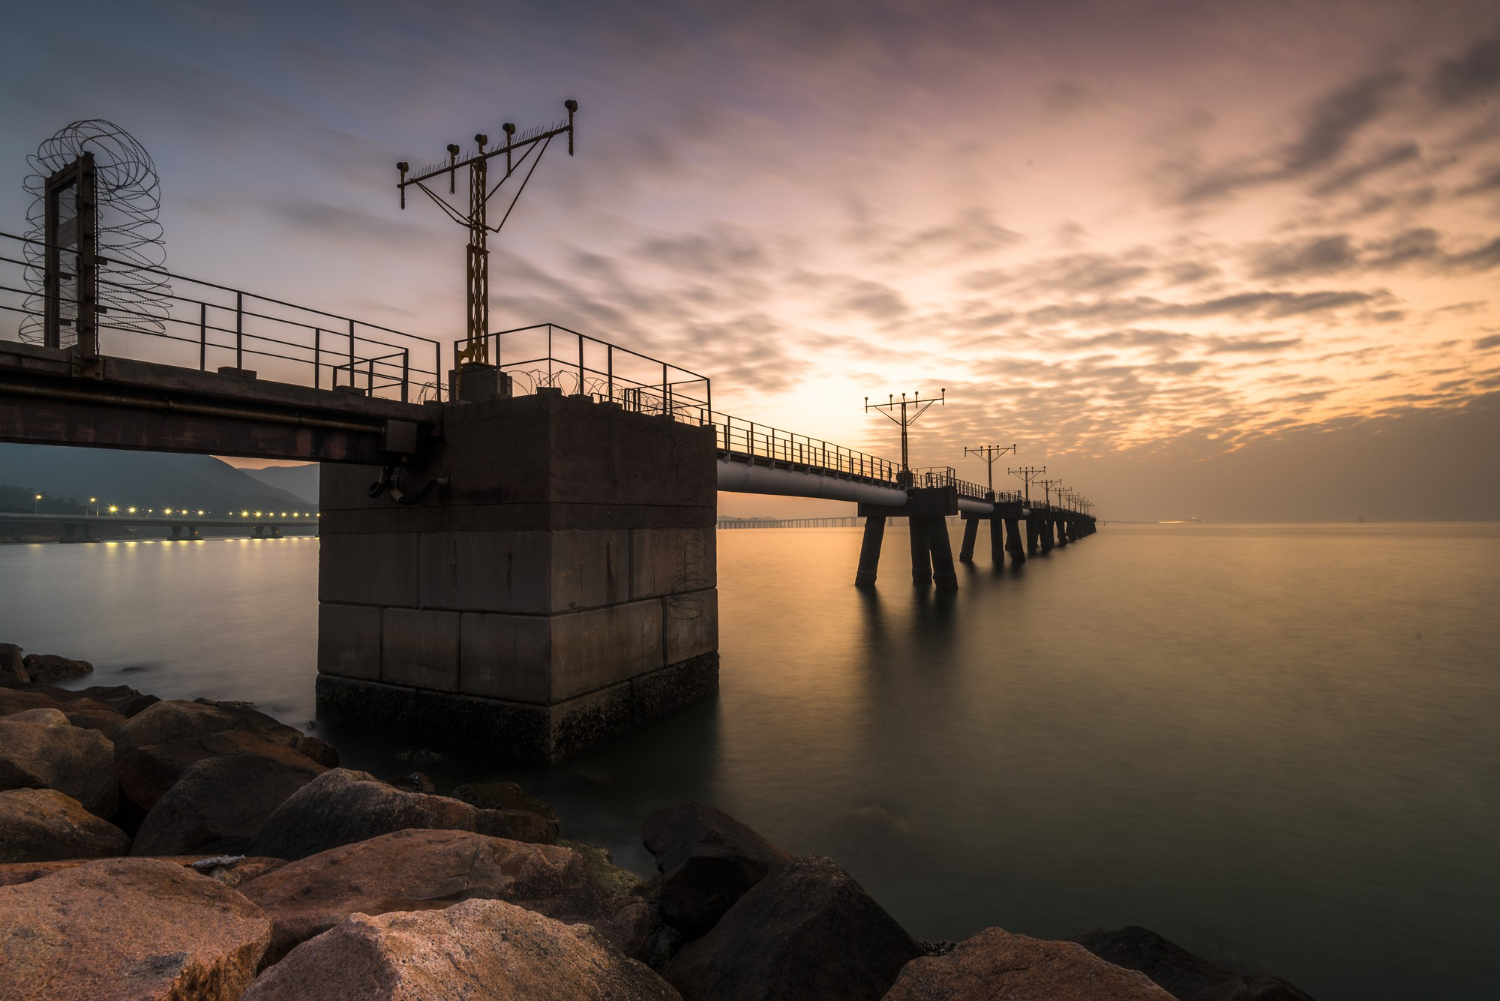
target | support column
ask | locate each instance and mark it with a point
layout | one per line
(1013, 543)
(971, 535)
(556, 586)
(1062, 531)
(1044, 530)
(869, 550)
(1031, 534)
(997, 541)
(921, 559)
(942, 553)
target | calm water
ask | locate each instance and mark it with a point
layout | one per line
(1275, 745)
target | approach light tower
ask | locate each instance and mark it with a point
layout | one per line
(1026, 474)
(1047, 486)
(989, 453)
(910, 411)
(476, 349)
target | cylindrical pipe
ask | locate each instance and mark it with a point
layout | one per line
(745, 478)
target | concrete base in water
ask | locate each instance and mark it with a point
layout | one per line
(559, 589)
(521, 730)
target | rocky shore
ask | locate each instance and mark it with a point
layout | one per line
(180, 850)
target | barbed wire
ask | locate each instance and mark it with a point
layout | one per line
(129, 231)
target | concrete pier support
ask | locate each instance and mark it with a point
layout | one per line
(1033, 534)
(869, 550)
(921, 554)
(1044, 531)
(560, 587)
(943, 574)
(1013, 543)
(1061, 525)
(971, 535)
(997, 539)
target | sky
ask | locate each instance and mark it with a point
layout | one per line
(1226, 260)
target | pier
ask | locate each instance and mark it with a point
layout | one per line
(516, 554)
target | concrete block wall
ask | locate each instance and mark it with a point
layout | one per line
(565, 581)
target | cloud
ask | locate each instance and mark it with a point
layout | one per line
(1395, 156)
(1485, 343)
(1329, 128)
(1473, 75)
(1326, 255)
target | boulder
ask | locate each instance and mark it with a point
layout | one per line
(40, 749)
(342, 806)
(175, 719)
(128, 928)
(231, 870)
(41, 825)
(414, 782)
(219, 804)
(478, 950)
(12, 666)
(503, 796)
(806, 931)
(80, 709)
(997, 964)
(418, 870)
(1179, 972)
(707, 860)
(146, 773)
(45, 668)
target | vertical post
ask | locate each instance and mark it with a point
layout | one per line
(437, 366)
(87, 221)
(239, 331)
(370, 378)
(997, 540)
(869, 550)
(942, 554)
(1013, 544)
(351, 355)
(971, 535)
(405, 372)
(665, 403)
(203, 337)
(921, 559)
(581, 389)
(610, 365)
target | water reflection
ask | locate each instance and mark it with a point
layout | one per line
(1275, 745)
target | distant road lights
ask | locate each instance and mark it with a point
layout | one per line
(244, 514)
(132, 510)
(36, 506)
(168, 510)
(113, 509)
(95, 501)
(200, 513)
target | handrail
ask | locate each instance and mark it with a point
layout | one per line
(228, 333)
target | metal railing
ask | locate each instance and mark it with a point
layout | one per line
(760, 441)
(213, 327)
(946, 476)
(553, 356)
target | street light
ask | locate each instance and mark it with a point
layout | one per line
(113, 509)
(132, 510)
(95, 501)
(36, 506)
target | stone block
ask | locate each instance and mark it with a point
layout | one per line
(672, 687)
(589, 569)
(690, 624)
(581, 722)
(597, 648)
(506, 656)
(664, 560)
(419, 647)
(485, 571)
(368, 569)
(349, 640)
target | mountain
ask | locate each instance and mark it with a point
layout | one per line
(299, 481)
(140, 479)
